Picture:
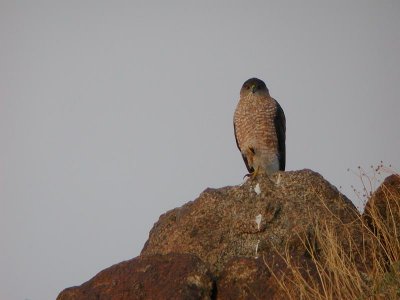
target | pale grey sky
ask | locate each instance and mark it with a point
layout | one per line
(112, 113)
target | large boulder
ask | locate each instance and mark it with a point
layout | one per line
(262, 215)
(382, 216)
(237, 242)
(170, 276)
(383, 207)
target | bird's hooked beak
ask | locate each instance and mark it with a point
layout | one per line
(253, 88)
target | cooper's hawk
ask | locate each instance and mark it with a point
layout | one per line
(260, 129)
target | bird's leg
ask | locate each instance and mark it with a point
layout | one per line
(255, 173)
(249, 160)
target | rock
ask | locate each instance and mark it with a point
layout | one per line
(245, 278)
(170, 276)
(383, 208)
(231, 243)
(260, 216)
(382, 216)
(252, 278)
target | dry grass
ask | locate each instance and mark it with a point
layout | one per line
(349, 261)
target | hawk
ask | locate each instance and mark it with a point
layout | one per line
(260, 129)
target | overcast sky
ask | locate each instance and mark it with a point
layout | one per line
(112, 113)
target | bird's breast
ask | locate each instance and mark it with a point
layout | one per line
(254, 123)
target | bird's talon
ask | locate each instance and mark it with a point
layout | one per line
(247, 175)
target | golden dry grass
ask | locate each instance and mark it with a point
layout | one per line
(351, 261)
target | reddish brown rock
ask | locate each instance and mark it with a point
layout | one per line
(382, 216)
(171, 276)
(384, 205)
(262, 277)
(245, 278)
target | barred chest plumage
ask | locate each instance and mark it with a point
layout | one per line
(258, 137)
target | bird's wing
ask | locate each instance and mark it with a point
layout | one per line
(250, 169)
(280, 127)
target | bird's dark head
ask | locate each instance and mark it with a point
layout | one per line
(254, 86)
